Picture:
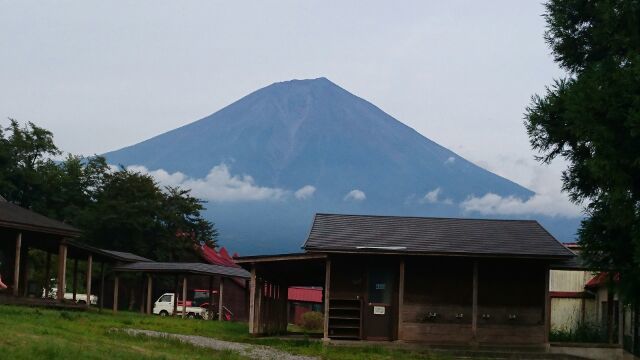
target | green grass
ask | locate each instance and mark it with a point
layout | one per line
(32, 333)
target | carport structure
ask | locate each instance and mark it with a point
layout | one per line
(21, 230)
(183, 270)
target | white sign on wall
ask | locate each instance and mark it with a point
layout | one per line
(378, 310)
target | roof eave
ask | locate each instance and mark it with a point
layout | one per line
(41, 229)
(451, 254)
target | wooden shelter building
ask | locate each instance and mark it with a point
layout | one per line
(224, 274)
(22, 229)
(414, 279)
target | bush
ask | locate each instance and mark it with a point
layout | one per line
(312, 320)
(584, 333)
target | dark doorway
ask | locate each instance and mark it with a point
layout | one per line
(379, 308)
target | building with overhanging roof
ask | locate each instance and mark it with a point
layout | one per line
(431, 280)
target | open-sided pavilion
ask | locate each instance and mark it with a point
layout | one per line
(184, 271)
(22, 229)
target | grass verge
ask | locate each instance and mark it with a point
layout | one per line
(33, 333)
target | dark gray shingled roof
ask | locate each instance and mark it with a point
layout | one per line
(125, 256)
(16, 217)
(422, 235)
(191, 268)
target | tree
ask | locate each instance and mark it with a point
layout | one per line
(131, 213)
(591, 118)
(25, 156)
(116, 209)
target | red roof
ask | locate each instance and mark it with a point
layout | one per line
(221, 258)
(601, 279)
(305, 294)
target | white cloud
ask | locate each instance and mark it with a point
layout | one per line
(355, 195)
(450, 160)
(539, 204)
(433, 197)
(219, 185)
(305, 192)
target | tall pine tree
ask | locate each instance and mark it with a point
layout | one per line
(591, 118)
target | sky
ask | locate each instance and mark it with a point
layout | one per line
(106, 74)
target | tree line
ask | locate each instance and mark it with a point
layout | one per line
(115, 208)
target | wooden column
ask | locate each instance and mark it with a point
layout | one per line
(211, 300)
(89, 273)
(62, 272)
(184, 297)
(149, 293)
(220, 305)
(24, 273)
(547, 305)
(284, 297)
(327, 289)
(16, 265)
(400, 299)
(75, 279)
(252, 301)
(101, 286)
(115, 294)
(610, 313)
(474, 303)
(176, 295)
(620, 321)
(47, 275)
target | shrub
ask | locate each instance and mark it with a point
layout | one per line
(584, 333)
(312, 320)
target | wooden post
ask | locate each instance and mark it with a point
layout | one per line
(284, 297)
(184, 297)
(115, 294)
(16, 267)
(149, 293)
(24, 274)
(211, 317)
(62, 272)
(259, 307)
(89, 273)
(547, 306)
(400, 299)
(176, 295)
(47, 275)
(610, 314)
(101, 286)
(327, 296)
(252, 301)
(220, 306)
(620, 321)
(474, 304)
(75, 279)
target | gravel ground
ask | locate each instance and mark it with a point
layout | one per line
(258, 352)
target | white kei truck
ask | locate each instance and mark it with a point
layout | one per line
(164, 307)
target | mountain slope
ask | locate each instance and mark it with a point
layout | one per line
(313, 133)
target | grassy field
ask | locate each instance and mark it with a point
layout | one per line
(32, 333)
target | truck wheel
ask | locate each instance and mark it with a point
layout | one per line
(164, 313)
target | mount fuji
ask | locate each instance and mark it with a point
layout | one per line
(269, 161)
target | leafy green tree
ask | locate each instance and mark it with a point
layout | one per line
(591, 118)
(116, 209)
(25, 156)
